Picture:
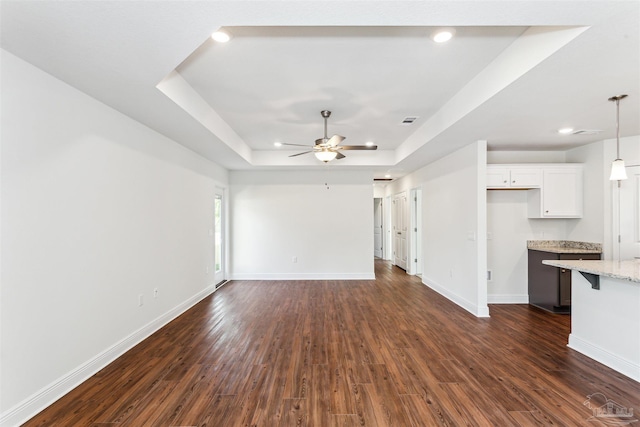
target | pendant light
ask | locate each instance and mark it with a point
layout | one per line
(618, 171)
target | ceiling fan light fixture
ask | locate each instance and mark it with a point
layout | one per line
(221, 36)
(325, 155)
(369, 143)
(277, 144)
(565, 131)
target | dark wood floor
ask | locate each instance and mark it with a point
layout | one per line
(388, 352)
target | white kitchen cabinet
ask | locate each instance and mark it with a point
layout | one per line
(497, 177)
(513, 176)
(560, 195)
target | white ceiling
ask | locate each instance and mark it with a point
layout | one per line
(515, 72)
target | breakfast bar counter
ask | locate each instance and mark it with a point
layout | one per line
(624, 270)
(605, 319)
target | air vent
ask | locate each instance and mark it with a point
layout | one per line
(409, 120)
(586, 132)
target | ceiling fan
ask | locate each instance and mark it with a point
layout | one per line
(327, 149)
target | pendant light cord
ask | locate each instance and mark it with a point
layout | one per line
(617, 127)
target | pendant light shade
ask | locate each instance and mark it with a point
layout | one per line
(618, 171)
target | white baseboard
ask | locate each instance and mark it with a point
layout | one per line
(462, 302)
(507, 299)
(35, 403)
(615, 362)
(303, 276)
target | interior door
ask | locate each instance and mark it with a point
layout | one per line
(377, 228)
(399, 230)
(218, 239)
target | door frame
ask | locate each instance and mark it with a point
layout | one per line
(379, 201)
(414, 255)
(219, 277)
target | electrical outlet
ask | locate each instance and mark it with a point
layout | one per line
(155, 293)
(140, 300)
(294, 259)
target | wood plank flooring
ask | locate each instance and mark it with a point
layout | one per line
(389, 352)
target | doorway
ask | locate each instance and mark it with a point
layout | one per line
(399, 230)
(218, 239)
(378, 234)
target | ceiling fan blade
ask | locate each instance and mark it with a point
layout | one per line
(357, 147)
(339, 155)
(297, 145)
(300, 154)
(335, 140)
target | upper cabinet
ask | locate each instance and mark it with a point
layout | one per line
(560, 195)
(513, 176)
(554, 190)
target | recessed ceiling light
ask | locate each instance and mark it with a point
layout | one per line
(565, 131)
(221, 36)
(278, 144)
(369, 143)
(443, 35)
(388, 175)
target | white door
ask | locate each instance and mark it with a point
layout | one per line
(218, 239)
(377, 228)
(399, 230)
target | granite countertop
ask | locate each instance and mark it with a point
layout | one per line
(564, 246)
(624, 270)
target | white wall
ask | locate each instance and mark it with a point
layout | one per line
(322, 218)
(454, 225)
(97, 209)
(526, 157)
(600, 219)
(509, 229)
(590, 228)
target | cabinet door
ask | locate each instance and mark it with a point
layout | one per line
(526, 178)
(562, 193)
(565, 277)
(497, 177)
